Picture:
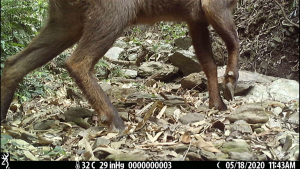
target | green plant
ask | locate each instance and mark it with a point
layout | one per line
(136, 30)
(57, 151)
(33, 85)
(136, 41)
(5, 140)
(155, 47)
(172, 31)
(116, 71)
(20, 21)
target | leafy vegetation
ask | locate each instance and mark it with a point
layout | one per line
(20, 22)
(172, 31)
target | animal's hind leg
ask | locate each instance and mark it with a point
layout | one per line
(80, 66)
(63, 29)
(100, 32)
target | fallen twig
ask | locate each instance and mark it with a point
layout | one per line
(284, 14)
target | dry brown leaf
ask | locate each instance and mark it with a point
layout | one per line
(153, 139)
(196, 130)
(162, 111)
(166, 133)
(158, 144)
(146, 117)
(132, 137)
(199, 123)
(29, 155)
(117, 145)
(55, 102)
(150, 137)
(143, 109)
(157, 135)
(72, 141)
(43, 140)
(108, 150)
(110, 135)
(176, 114)
(169, 153)
(130, 127)
(186, 138)
(88, 155)
(208, 146)
(267, 153)
(36, 116)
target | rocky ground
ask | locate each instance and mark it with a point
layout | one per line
(161, 94)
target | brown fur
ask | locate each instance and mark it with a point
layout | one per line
(96, 24)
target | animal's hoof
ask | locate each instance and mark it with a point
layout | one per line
(220, 105)
(117, 126)
(228, 91)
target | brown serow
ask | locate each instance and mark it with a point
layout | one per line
(96, 24)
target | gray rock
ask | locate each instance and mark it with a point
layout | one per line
(191, 49)
(231, 145)
(132, 56)
(210, 156)
(106, 87)
(243, 88)
(133, 53)
(77, 112)
(277, 110)
(183, 42)
(181, 149)
(130, 73)
(134, 49)
(114, 53)
(265, 79)
(185, 61)
(191, 118)
(120, 43)
(150, 68)
(284, 90)
(247, 76)
(194, 81)
(259, 130)
(251, 113)
(274, 123)
(235, 147)
(259, 93)
(150, 82)
(241, 126)
(170, 111)
(294, 118)
(124, 116)
(164, 47)
(288, 143)
(245, 82)
(194, 156)
(241, 156)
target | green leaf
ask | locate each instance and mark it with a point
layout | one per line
(16, 44)
(60, 150)
(5, 136)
